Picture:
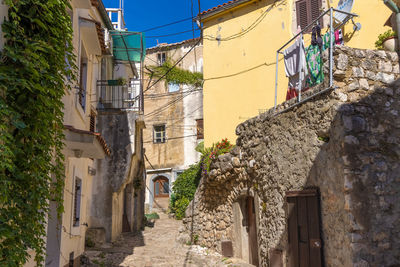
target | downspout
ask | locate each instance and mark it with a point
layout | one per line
(394, 8)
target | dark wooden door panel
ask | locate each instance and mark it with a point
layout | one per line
(293, 235)
(303, 230)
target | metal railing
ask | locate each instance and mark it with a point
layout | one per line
(114, 96)
(350, 16)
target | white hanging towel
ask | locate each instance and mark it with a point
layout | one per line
(295, 63)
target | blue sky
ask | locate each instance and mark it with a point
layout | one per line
(142, 15)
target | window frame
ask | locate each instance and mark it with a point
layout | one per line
(200, 133)
(161, 58)
(77, 202)
(163, 138)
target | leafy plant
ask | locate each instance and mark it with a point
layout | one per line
(184, 189)
(209, 154)
(152, 216)
(383, 37)
(36, 59)
(176, 75)
(180, 207)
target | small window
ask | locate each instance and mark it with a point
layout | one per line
(83, 79)
(200, 129)
(173, 87)
(77, 202)
(92, 121)
(159, 134)
(307, 11)
(161, 57)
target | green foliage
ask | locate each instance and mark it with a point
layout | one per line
(180, 207)
(183, 190)
(33, 67)
(176, 75)
(209, 154)
(383, 37)
(152, 216)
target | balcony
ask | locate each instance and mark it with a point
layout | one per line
(115, 95)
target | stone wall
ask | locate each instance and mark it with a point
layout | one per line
(343, 142)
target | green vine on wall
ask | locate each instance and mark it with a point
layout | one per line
(176, 75)
(33, 67)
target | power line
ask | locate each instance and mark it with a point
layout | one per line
(173, 138)
(168, 24)
(170, 69)
(248, 29)
(157, 111)
(171, 34)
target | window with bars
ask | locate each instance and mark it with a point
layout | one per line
(200, 129)
(77, 202)
(307, 11)
(159, 134)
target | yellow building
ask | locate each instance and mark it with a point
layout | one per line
(241, 39)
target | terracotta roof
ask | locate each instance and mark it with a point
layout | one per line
(223, 6)
(165, 46)
(98, 137)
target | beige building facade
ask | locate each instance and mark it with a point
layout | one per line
(174, 120)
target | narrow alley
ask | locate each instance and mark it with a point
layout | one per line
(156, 246)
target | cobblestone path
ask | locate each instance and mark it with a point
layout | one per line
(157, 246)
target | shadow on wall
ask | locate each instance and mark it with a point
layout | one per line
(343, 143)
(350, 154)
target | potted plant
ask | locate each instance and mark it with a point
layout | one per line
(387, 41)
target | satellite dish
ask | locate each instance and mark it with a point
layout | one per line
(346, 6)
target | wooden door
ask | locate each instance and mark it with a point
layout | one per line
(161, 187)
(304, 229)
(252, 231)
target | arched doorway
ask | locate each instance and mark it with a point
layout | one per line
(161, 192)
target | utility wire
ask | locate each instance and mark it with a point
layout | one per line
(168, 24)
(247, 30)
(170, 69)
(171, 34)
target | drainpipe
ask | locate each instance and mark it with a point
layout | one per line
(392, 6)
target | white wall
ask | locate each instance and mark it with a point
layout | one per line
(3, 15)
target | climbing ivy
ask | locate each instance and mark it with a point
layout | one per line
(36, 58)
(176, 75)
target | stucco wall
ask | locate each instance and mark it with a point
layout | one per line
(343, 142)
(122, 133)
(178, 111)
(239, 72)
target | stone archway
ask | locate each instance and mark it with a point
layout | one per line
(161, 191)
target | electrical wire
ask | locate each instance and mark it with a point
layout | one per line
(173, 138)
(168, 24)
(248, 29)
(157, 111)
(171, 34)
(170, 69)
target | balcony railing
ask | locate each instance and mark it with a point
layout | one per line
(116, 96)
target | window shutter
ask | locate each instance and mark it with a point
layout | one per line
(315, 10)
(302, 13)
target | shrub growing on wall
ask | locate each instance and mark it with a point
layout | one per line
(33, 67)
(183, 190)
(186, 184)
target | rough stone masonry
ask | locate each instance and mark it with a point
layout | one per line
(343, 142)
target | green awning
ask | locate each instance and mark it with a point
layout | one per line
(128, 46)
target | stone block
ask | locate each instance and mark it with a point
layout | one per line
(364, 84)
(385, 66)
(342, 62)
(358, 72)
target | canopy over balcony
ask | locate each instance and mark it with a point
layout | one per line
(128, 46)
